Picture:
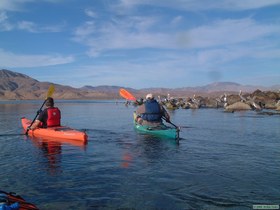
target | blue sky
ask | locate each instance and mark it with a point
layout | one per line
(142, 43)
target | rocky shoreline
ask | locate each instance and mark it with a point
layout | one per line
(258, 100)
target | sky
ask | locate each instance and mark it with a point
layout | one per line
(142, 43)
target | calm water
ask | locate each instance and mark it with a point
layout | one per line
(223, 161)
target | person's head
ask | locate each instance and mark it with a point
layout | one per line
(49, 102)
(149, 96)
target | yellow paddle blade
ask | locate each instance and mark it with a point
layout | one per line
(127, 95)
(50, 91)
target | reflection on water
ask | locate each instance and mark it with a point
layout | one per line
(223, 161)
(51, 150)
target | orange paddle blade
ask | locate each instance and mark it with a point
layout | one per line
(127, 95)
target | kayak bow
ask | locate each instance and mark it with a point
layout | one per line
(14, 201)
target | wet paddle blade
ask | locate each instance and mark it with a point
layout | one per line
(127, 95)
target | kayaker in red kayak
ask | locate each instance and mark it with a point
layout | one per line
(49, 117)
(151, 112)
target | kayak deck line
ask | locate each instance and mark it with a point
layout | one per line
(155, 128)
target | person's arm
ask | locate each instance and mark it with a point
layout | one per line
(35, 125)
(38, 121)
(140, 110)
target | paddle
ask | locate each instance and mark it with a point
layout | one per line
(128, 96)
(178, 128)
(49, 94)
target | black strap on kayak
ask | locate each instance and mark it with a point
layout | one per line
(158, 127)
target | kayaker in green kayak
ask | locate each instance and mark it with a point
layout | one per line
(151, 112)
(49, 117)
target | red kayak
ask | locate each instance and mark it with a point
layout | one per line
(14, 201)
(58, 132)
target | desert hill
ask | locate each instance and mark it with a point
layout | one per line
(17, 86)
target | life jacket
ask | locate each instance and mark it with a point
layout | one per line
(153, 111)
(53, 117)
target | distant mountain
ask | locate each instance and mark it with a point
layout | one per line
(19, 86)
(11, 81)
(275, 87)
(224, 86)
(16, 86)
(213, 89)
(105, 88)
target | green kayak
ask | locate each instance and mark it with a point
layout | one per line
(160, 131)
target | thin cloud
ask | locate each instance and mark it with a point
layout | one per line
(247, 4)
(121, 36)
(113, 73)
(10, 5)
(176, 20)
(34, 28)
(225, 32)
(11, 60)
(86, 30)
(27, 26)
(4, 23)
(132, 39)
(3, 16)
(91, 13)
(194, 5)
(19, 5)
(53, 28)
(126, 33)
